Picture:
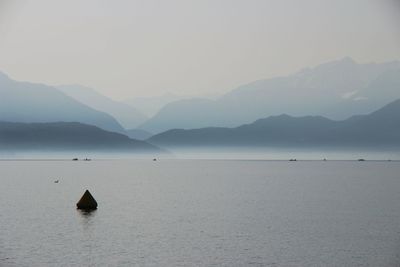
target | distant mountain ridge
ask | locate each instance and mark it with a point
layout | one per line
(138, 134)
(66, 136)
(377, 129)
(151, 105)
(335, 90)
(128, 116)
(31, 102)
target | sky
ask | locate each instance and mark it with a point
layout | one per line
(132, 48)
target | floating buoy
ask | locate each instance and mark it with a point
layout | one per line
(87, 202)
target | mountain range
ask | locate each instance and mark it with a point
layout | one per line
(380, 129)
(325, 95)
(66, 136)
(32, 102)
(336, 90)
(128, 116)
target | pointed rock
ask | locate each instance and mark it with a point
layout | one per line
(87, 202)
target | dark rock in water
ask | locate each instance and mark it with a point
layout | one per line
(87, 202)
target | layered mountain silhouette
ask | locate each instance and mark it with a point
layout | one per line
(151, 105)
(128, 116)
(138, 134)
(335, 90)
(61, 136)
(31, 102)
(378, 129)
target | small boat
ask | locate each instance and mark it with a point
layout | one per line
(293, 160)
(56, 181)
(154, 159)
(361, 159)
(75, 159)
(87, 159)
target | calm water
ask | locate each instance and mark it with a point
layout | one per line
(200, 213)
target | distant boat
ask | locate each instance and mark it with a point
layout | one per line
(56, 181)
(361, 159)
(324, 159)
(154, 159)
(75, 159)
(87, 159)
(293, 160)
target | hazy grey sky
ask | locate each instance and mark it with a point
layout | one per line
(127, 48)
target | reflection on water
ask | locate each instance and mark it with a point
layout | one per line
(87, 214)
(87, 217)
(88, 236)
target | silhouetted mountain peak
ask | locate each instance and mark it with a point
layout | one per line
(288, 120)
(281, 117)
(344, 64)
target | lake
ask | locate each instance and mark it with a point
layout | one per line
(174, 212)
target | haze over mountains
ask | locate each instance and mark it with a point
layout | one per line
(151, 105)
(317, 102)
(380, 129)
(126, 115)
(32, 102)
(337, 90)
